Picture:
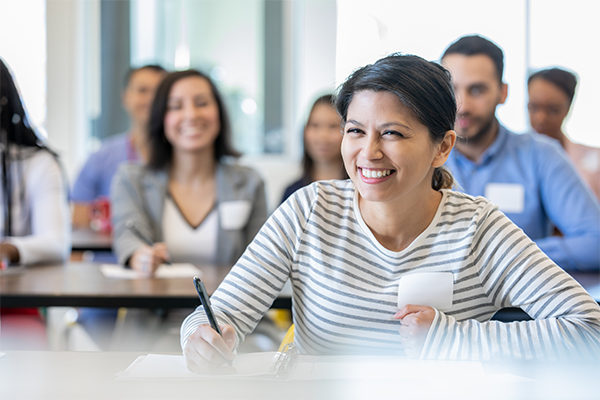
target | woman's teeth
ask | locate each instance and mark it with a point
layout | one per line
(375, 174)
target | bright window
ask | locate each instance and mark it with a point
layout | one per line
(562, 33)
(25, 54)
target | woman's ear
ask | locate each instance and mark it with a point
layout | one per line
(444, 149)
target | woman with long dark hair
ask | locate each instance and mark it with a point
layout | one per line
(322, 159)
(190, 200)
(35, 222)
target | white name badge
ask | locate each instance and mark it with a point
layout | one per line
(433, 289)
(509, 197)
(234, 214)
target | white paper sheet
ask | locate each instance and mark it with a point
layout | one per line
(157, 366)
(181, 270)
(258, 365)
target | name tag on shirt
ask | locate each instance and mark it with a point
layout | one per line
(433, 289)
(234, 214)
(509, 197)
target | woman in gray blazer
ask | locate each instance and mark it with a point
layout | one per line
(188, 204)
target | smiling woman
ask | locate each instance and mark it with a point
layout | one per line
(177, 200)
(346, 246)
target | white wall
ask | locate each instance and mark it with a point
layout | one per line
(310, 41)
(66, 123)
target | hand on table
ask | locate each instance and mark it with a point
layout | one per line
(207, 352)
(146, 259)
(9, 253)
(416, 321)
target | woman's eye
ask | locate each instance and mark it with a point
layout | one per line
(353, 131)
(393, 134)
(173, 107)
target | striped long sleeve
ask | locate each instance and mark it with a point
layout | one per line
(345, 283)
(514, 272)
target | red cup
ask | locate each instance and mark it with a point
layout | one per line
(100, 215)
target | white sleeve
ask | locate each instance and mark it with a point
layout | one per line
(50, 239)
(516, 273)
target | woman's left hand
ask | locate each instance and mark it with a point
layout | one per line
(416, 321)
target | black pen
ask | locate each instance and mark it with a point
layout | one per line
(205, 300)
(131, 226)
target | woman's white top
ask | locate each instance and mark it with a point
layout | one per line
(345, 283)
(196, 245)
(41, 220)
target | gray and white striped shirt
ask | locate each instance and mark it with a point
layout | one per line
(345, 283)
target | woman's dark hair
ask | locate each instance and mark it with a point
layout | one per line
(14, 123)
(475, 45)
(161, 151)
(16, 132)
(561, 78)
(422, 86)
(308, 164)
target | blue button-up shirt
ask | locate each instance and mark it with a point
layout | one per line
(96, 175)
(534, 183)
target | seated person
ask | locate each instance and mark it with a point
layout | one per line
(188, 193)
(551, 93)
(190, 201)
(35, 221)
(35, 225)
(528, 176)
(346, 244)
(322, 158)
(96, 175)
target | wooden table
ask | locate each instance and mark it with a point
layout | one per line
(89, 240)
(83, 285)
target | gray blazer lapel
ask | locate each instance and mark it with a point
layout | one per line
(155, 192)
(227, 240)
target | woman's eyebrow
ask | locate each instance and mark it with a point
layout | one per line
(388, 124)
(353, 122)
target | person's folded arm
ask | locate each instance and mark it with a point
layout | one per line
(573, 209)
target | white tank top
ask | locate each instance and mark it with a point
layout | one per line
(184, 242)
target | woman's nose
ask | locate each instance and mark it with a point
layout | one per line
(372, 148)
(191, 111)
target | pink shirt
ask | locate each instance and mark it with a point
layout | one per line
(587, 162)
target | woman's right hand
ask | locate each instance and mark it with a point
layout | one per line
(207, 352)
(147, 259)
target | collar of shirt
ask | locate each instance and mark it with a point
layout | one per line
(495, 148)
(132, 154)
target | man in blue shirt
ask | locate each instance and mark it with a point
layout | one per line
(96, 175)
(528, 176)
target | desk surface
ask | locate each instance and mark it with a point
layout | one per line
(91, 375)
(87, 239)
(83, 285)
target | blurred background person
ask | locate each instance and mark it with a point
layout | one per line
(34, 219)
(551, 92)
(94, 179)
(187, 193)
(322, 158)
(528, 176)
(190, 200)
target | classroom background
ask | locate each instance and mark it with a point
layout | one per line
(271, 58)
